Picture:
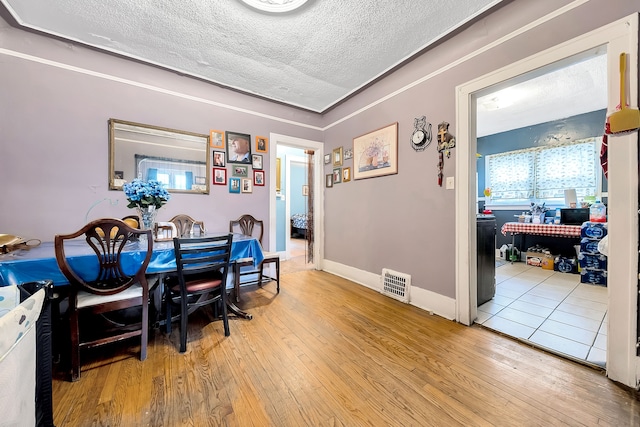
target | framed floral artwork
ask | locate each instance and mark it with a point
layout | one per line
(258, 178)
(262, 144)
(219, 176)
(216, 139)
(376, 153)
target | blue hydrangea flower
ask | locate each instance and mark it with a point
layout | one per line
(145, 193)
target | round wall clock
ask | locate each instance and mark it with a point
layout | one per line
(421, 136)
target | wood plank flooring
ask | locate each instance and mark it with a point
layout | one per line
(328, 352)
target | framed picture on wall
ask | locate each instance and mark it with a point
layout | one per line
(240, 170)
(257, 161)
(328, 180)
(327, 159)
(219, 159)
(238, 147)
(219, 176)
(234, 185)
(216, 139)
(262, 144)
(337, 156)
(246, 185)
(348, 153)
(258, 178)
(346, 174)
(376, 153)
(337, 175)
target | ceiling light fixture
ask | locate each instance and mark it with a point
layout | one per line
(275, 6)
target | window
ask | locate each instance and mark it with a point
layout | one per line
(543, 173)
(174, 174)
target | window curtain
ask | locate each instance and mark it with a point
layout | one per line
(543, 172)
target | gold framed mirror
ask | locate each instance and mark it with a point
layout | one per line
(178, 159)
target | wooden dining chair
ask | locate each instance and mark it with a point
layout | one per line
(117, 285)
(202, 266)
(243, 271)
(185, 225)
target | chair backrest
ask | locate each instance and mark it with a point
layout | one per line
(107, 237)
(202, 255)
(132, 220)
(248, 225)
(184, 224)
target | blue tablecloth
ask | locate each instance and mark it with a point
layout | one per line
(40, 263)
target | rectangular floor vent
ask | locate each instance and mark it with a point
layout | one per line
(396, 285)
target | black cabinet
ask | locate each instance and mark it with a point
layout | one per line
(486, 235)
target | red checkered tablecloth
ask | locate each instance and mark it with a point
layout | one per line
(541, 229)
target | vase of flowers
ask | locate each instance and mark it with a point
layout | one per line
(147, 197)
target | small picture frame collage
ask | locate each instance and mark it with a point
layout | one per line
(233, 149)
(337, 159)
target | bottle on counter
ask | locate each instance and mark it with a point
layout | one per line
(598, 212)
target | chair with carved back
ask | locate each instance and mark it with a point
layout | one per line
(97, 305)
(185, 225)
(202, 266)
(243, 271)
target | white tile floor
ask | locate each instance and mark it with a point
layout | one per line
(549, 309)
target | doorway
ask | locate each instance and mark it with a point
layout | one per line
(521, 128)
(292, 157)
(620, 36)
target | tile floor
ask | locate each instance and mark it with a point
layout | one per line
(550, 310)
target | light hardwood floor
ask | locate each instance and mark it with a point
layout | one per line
(326, 351)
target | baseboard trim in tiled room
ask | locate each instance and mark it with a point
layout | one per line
(551, 310)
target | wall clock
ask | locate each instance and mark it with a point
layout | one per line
(421, 136)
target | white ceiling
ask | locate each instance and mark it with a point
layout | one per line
(312, 58)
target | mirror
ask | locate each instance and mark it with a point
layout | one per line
(178, 159)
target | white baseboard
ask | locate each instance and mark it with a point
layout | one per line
(422, 298)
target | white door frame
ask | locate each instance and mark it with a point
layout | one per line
(318, 200)
(620, 36)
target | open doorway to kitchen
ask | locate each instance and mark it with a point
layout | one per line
(537, 135)
(620, 36)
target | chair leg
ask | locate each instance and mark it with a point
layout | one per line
(278, 275)
(225, 317)
(183, 323)
(144, 335)
(236, 281)
(167, 301)
(75, 346)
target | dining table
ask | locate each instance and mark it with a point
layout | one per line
(39, 263)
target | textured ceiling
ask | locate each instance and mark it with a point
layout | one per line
(310, 58)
